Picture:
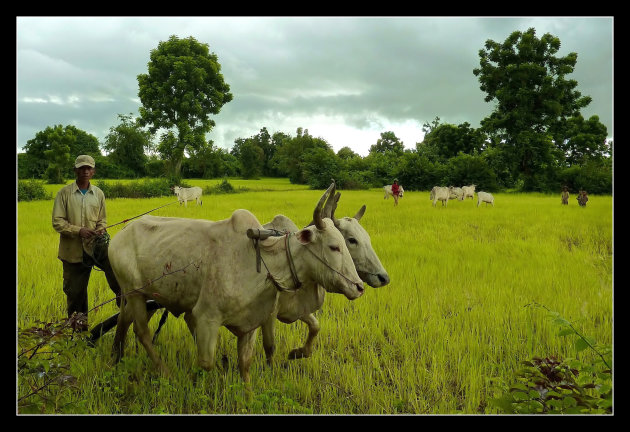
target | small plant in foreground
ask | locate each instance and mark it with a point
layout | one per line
(47, 367)
(553, 386)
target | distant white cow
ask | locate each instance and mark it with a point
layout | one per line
(456, 193)
(468, 191)
(485, 197)
(188, 194)
(439, 193)
(388, 191)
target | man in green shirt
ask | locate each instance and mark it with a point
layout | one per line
(80, 219)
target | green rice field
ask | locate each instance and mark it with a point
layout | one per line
(442, 338)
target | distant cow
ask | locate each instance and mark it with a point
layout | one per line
(485, 197)
(388, 191)
(468, 191)
(188, 194)
(456, 193)
(439, 193)
(303, 303)
(208, 272)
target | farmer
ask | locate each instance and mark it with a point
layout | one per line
(582, 198)
(565, 195)
(79, 217)
(395, 191)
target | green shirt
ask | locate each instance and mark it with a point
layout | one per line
(71, 212)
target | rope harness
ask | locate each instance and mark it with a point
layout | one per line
(256, 235)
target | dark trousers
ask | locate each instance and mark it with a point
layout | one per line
(75, 282)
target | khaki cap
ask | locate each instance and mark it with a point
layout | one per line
(83, 160)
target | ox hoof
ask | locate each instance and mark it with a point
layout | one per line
(298, 353)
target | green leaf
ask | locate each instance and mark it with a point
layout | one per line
(520, 396)
(580, 344)
(569, 402)
(534, 394)
(566, 332)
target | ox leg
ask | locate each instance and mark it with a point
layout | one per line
(142, 331)
(307, 349)
(245, 347)
(206, 334)
(125, 318)
(269, 340)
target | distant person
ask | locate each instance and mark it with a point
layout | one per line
(79, 217)
(582, 198)
(395, 191)
(565, 195)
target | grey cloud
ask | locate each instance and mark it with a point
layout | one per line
(360, 71)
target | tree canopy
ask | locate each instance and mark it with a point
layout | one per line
(533, 97)
(182, 88)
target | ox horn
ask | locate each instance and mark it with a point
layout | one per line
(359, 214)
(317, 214)
(333, 207)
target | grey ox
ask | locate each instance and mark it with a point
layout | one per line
(207, 271)
(303, 303)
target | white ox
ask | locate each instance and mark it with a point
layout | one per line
(188, 194)
(388, 191)
(455, 193)
(439, 193)
(485, 197)
(468, 191)
(207, 271)
(303, 303)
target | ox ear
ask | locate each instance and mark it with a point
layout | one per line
(360, 213)
(305, 236)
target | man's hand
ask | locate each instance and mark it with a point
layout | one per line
(87, 233)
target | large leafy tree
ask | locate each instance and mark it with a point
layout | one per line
(447, 140)
(388, 142)
(533, 97)
(586, 140)
(126, 143)
(182, 88)
(35, 160)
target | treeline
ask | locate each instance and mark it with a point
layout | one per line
(448, 155)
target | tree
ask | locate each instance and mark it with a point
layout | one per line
(126, 143)
(320, 165)
(289, 157)
(533, 97)
(447, 140)
(35, 160)
(346, 153)
(586, 140)
(58, 155)
(388, 142)
(182, 88)
(251, 157)
(428, 127)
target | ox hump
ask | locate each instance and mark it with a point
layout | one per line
(242, 220)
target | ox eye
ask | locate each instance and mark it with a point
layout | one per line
(353, 241)
(334, 248)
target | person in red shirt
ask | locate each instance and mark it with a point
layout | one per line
(395, 191)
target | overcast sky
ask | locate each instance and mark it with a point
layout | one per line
(345, 79)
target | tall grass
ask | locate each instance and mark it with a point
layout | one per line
(449, 328)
